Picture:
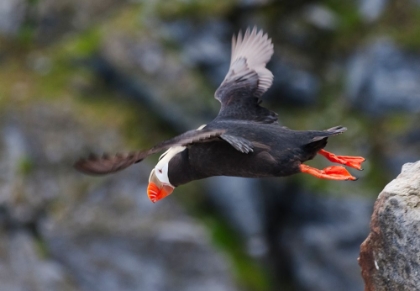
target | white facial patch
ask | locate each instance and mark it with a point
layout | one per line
(161, 168)
(161, 173)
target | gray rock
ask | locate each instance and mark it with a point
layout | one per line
(382, 78)
(233, 197)
(389, 257)
(115, 239)
(254, 3)
(12, 15)
(292, 84)
(320, 239)
(321, 17)
(204, 46)
(61, 230)
(371, 10)
(23, 267)
(50, 20)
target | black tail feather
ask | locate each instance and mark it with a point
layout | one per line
(337, 129)
(319, 141)
(329, 132)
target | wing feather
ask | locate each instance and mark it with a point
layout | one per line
(256, 48)
(250, 54)
(239, 143)
(247, 79)
(106, 164)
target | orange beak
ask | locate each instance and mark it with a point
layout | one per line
(155, 193)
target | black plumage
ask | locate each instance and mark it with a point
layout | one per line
(275, 151)
(243, 140)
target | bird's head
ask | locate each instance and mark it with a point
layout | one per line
(159, 185)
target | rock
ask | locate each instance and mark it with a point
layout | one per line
(254, 3)
(23, 266)
(321, 17)
(382, 78)
(206, 46)
(175, 88)
(62, 230)
(235, 196)
(371, 10)
(292, 84)
(50, 20)
(389, 257)
(115, 239)
(317, 237)
(12, 15)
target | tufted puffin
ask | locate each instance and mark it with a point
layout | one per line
(244, 140)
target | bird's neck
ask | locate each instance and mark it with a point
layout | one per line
(180, 171)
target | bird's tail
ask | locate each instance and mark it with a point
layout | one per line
(319, 141)
(337, 129)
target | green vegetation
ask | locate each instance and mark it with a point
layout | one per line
(193, 8)
(25, 166)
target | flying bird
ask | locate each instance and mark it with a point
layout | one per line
(244, 140)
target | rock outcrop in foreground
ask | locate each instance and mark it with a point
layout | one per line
(390, 256)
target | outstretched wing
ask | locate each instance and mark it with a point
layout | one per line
(247, 79)
(106, 164)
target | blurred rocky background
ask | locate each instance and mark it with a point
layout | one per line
(99, 76)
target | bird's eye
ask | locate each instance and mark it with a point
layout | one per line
(160, 171)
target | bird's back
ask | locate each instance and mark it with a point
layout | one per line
(277, 151)
(278, 138)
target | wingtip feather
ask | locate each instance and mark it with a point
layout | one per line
(256, 48)
(106, 164)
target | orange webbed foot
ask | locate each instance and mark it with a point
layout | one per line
(331, 173)
(351, 161)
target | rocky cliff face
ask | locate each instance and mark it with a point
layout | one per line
(61, 230)
(82, 76)
(389, 257)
